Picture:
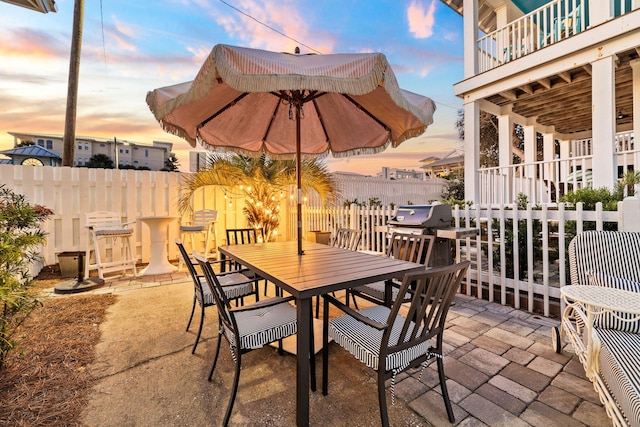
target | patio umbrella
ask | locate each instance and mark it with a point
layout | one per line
(284, 105)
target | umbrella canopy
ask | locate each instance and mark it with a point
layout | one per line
(259, 102)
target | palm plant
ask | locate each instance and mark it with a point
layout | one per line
(262, 181)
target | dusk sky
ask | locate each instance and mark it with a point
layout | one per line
(130, 48)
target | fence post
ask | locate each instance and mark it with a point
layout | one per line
(630, 214)
(353, 217)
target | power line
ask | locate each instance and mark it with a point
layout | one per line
(297, 41)
(269, 27)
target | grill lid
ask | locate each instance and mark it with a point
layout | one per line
(424, 216)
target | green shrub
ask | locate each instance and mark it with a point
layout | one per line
(20, 235)
(590, 196)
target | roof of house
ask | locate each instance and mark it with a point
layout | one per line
(31, 151)
(44, 6)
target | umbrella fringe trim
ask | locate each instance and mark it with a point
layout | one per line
(177, 131)
(287, 156)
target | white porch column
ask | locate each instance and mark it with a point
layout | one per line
(505, 142)
(603, 105)
(635, 66)
(530, 147)
(565, 153)
(470, 35)
(471, 150)
(549, 155)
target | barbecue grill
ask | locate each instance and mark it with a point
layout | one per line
(431, 220)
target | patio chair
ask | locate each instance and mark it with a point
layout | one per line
(246, 236)
(251, 327)
(203, 223)
(102, 226)
(407, 247)
(236, 286)
(388, 342)
(347, 239)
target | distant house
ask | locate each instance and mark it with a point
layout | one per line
(436, 167)
(31, 155)
(567, 72)
(123, 153)
(395, 173)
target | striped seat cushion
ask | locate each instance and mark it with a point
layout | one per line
(376, 290)
(364, 341)
(615, 320)
(206, 298)
(115, 232)
(262, 326)
(233, 290)
(620, 368)
(192, 228)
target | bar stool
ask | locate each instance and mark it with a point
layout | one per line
(104, 225)
(203, 223)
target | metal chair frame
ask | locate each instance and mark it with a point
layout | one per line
(228, 328)
(345, 238)
(432, 293)
(407, 247)
(202, 295)
(246, 236)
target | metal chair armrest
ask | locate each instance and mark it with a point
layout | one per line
(351, 312)
(262, 304)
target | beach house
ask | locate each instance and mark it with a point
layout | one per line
(567, 72)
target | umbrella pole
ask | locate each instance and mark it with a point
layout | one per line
(299, 178)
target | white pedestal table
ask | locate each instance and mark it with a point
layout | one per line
(158, 263)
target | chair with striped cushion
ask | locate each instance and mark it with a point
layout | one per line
(236, 286)
(251, 327)
(344, 238)
(390, 342)
(407, 247)
(247, 236)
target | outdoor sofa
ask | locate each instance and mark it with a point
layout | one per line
(609, 349)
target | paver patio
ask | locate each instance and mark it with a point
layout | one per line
(500, 366)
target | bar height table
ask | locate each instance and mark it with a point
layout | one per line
(158, 263)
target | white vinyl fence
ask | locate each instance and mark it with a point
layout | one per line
(519, 257)
(72, 192)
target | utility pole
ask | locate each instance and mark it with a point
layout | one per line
(69, 139)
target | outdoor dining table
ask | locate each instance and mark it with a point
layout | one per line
(321, 269)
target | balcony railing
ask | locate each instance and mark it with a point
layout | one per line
(548, 181)
(549, 24)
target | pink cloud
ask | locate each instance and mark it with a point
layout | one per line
(28, 42)
(421, 21)
(282, 16)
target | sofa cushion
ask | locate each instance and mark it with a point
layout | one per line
(615, 252)
(615, 320)
(620, 369)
